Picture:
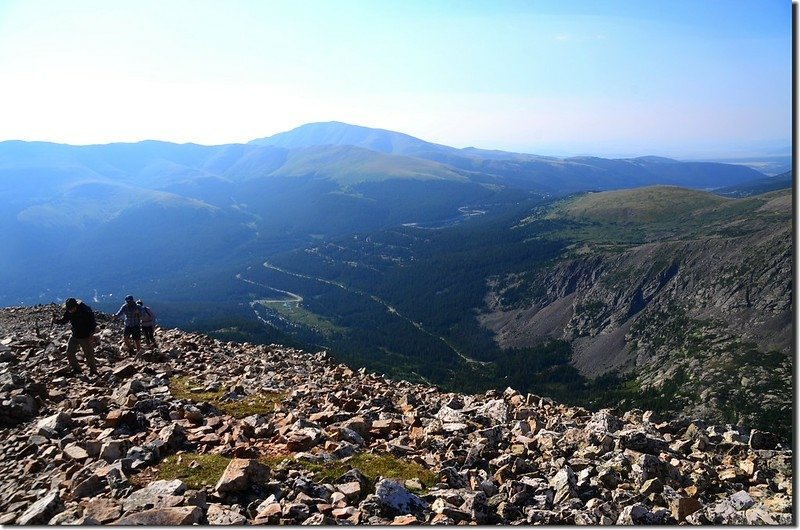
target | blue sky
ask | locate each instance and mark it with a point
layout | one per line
(677, 78)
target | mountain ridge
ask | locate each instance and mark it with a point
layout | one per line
(509, 166)
(339, 133)
(269, 194)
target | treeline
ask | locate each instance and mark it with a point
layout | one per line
(374, 338)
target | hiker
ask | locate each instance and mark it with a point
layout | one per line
(133, 325)
(148, 323)
(81, 318)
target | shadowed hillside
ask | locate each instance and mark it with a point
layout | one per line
(680, 289)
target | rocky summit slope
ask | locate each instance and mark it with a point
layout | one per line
(93, 450)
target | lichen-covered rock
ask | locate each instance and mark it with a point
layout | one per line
(396, 500)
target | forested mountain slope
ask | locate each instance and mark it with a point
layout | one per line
(694, 298)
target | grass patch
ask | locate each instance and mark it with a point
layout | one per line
(294, 313)
(631, 217)
(260, 403)
(205, 471)
(373, 466)
(200, 470)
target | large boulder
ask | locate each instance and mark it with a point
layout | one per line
(177, 516)
(41, 511)
(240, 474)
(157, 494)
(396, 500)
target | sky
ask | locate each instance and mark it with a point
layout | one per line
(681, 78)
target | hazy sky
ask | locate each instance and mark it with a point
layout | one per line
(676, 78)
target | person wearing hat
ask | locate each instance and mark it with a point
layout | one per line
(81, 317)
(133, 324)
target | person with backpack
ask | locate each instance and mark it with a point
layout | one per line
(81, 318)
(148, 324)
(133, 324)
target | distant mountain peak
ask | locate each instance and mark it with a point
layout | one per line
(339, 133)
(655, 159)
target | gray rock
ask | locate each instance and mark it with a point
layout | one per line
(603, 422)
(41, 511)
(69, 517)
(131, 388)
(8, 518)
(741, 501)
(650, 486)
(448, 415)
(499, 458)
(495, 410)
(319, 519)
(297, 511)
(441, 506)
(111, 450)
(396, 500)
(178, 516)
(350, 436)
(76, 452)
(157, 494)
(762, 440)
(24, 406)
(103, 510)
(760, 516)
(124, 371)
(89, 487)
(219, 514)
(56, 423)
(351, 490)
(477, 505)
(564, 483)
(636, 514)
(640, 441)
(173, 435)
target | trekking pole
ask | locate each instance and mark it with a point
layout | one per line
(52, 326)
(50, 346)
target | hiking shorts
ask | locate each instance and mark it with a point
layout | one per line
(135, 332)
